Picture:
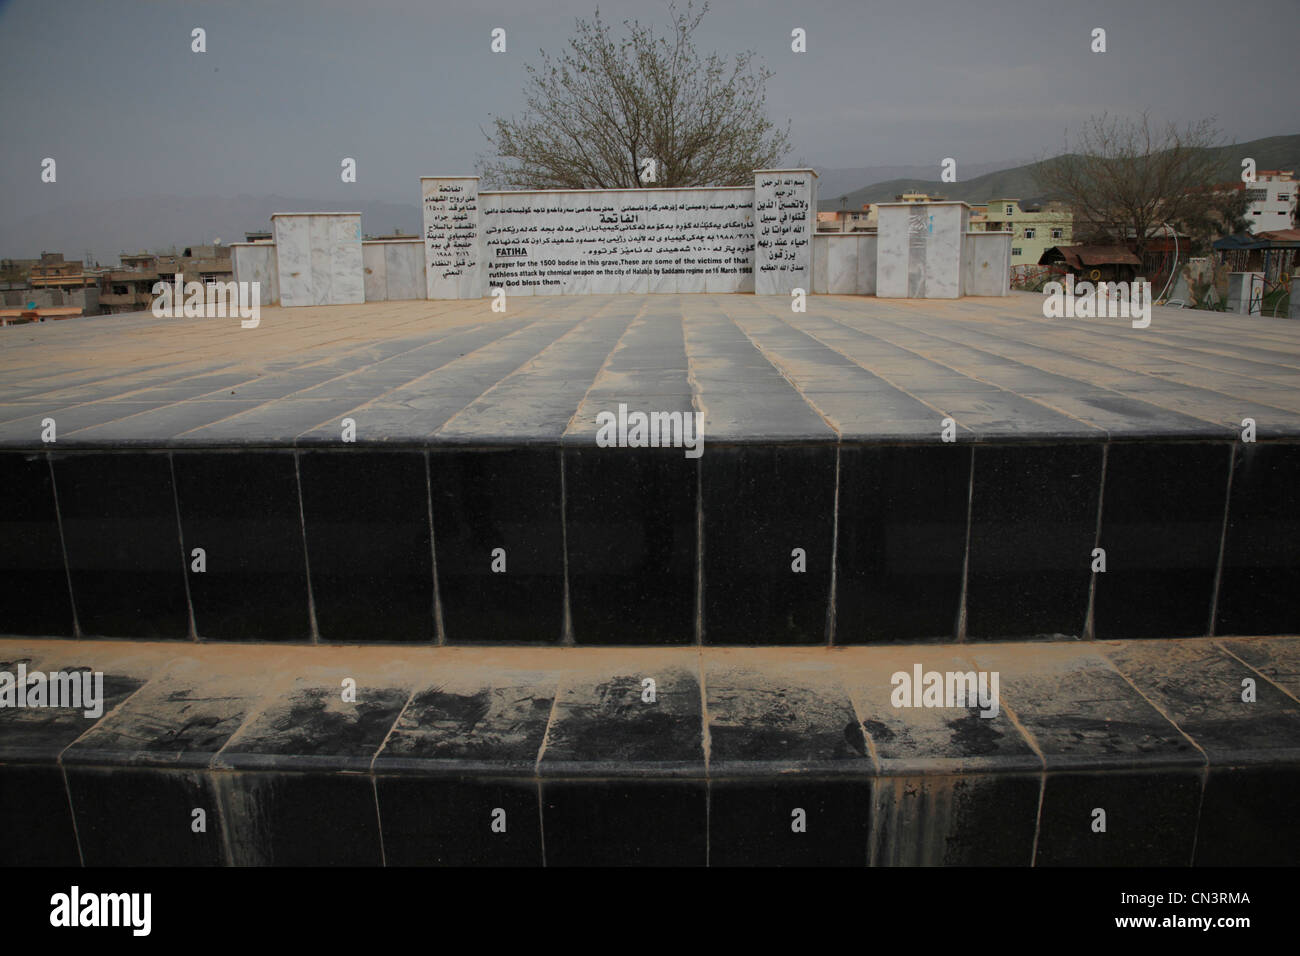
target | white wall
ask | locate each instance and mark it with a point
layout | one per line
(394, 269)
(256, 262)
(986, 263)
(844, 263)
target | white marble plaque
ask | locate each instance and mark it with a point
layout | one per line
(452, 248)
(785, 219)
(561, 242)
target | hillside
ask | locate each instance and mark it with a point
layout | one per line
(1273, 152)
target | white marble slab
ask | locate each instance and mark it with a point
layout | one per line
(318, 258)
(453, 244)
(376, 271)
(919, 249)
(785, 211)
(404, 262)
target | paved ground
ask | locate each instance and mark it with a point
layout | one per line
(856, 368)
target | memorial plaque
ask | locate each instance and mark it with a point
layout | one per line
(452, 252)
(619, 240)
(785, 210)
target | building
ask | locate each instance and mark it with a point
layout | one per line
(54, 272)
(130, 289)
(1034, 228)
(848, 220)
(1272, 198)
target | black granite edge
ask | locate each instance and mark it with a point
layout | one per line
(791, 769)
(960, 766)
(305, 763)
(74, 756)
(1226, 435)
(644, 770)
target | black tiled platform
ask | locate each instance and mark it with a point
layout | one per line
(823, 448)
(745, 756)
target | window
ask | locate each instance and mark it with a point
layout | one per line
(1256, 195)
(1058, 233)
(1283, 197)
(1015, 250)
(1011, 210)
(1029, 233)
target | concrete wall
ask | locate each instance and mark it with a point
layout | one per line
(919, 249)
(85, 298)
(1245, 292)
(567, 242)
(256, 262)
(318, 258)
(394, 269)
(844, 264)
(986, 263)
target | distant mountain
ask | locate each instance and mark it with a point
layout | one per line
(1273, 152)
(110, 227)
(833, 183)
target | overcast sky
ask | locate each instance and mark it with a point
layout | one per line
(288, 88)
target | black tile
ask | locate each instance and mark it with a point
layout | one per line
(33, 734)
(300, 819)
(625, 823)
(1248, 817)
(445, 821)
(901, 542)
(753, 822)
(35, 817)
(605, 724)
(1082, 714)
(34, 595)
(631, 533)
(1200, 688)
(505, 499)
(760, 504)
(1161, 525)
(1259, 591)
(1150, 819)
(952, 819)
(791, 717)
(123, 545)
(367, 526)
(242, 509)
(494, 723)
(310, 726)
(1033, 525)
(172, 722)
(144, 816)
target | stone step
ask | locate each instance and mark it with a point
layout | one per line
(1142, 752)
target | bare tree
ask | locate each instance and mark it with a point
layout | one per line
(607, 104)
(1126, 177)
